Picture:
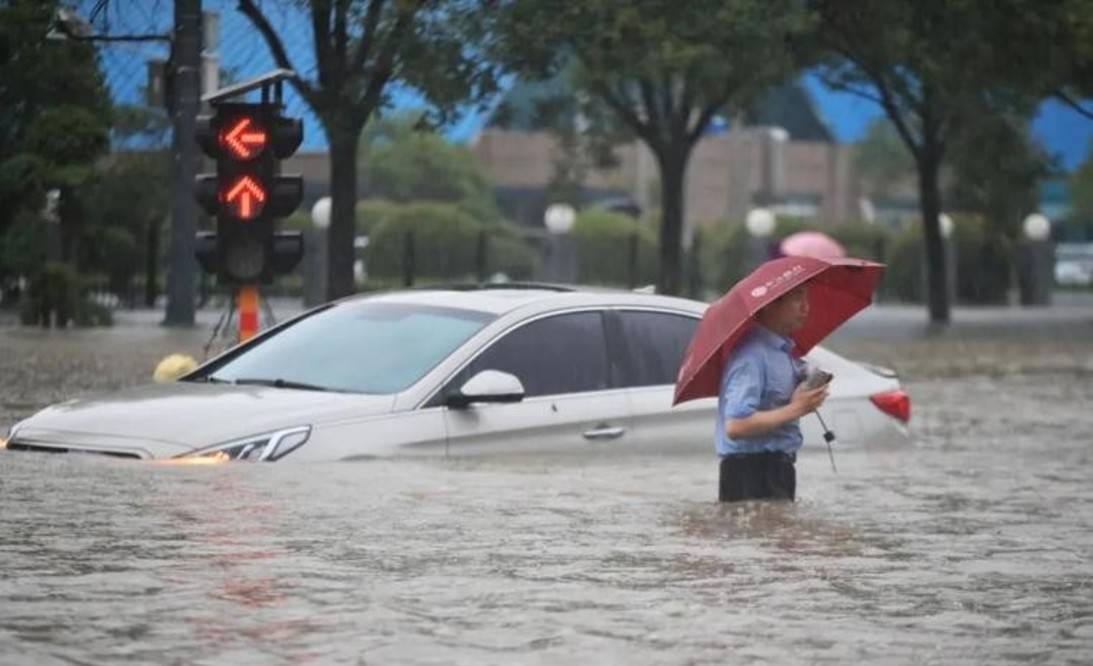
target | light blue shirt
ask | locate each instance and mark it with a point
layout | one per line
(760, 375)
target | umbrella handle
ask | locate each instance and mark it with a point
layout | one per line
(828, 438)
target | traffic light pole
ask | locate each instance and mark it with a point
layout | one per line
(186, 59)
(246, 299)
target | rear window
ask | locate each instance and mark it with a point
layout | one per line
(652, 346)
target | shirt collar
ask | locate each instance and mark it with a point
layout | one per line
(774, 339)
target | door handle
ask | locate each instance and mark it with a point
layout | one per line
(604, 431)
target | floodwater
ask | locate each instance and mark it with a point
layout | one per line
(973, 546)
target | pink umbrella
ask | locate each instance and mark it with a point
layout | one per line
(811, 244)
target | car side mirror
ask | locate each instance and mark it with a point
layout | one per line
(487, 386)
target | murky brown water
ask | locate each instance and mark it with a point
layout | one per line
(974, 546)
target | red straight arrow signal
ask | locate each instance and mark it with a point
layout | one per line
(242, 140)
(246, 197)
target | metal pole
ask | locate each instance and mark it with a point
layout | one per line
(408, 259)
(247, 303)
(186, 60)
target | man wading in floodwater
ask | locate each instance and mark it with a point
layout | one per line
(760, 403)
(746, 350)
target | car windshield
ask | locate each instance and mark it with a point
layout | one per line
(362, 347)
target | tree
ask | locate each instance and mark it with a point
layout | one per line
(664, 68)
(997, 168)
(404, 162)
(54, 109)
(362, 47)
(934, 67)
(882, 160)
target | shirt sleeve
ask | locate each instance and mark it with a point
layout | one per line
(743, 388)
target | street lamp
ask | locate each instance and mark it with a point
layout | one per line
(315, 254)
(560, 262)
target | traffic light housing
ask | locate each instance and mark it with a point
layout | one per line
(248, 194)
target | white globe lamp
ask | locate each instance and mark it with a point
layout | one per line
(946, 224)
(760, 222)
(559, 218)
(1037, 227)
(320, 213)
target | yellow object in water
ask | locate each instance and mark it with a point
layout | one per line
(172, 367)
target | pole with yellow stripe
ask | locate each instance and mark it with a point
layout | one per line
(247, 302)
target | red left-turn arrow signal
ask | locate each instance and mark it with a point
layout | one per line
(243, 138)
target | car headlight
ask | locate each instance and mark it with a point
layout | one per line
(259, 448)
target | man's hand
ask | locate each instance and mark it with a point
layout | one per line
(806, 400)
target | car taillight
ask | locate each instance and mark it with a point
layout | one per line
(894, 403)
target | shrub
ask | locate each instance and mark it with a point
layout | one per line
(603, 249)
(984, 261)
(56, 297)
(445, 245)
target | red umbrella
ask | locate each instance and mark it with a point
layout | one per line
(838, 289)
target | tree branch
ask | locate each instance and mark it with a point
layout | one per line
(385, 61)
(848, 88)
(704, 118)
(320, 28)
(248, 9)
(341, 37)
(622, 107)
(1075, 104)
(364, 48)
(648, 95)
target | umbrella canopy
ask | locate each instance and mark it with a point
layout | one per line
(811, 244)
(838, 289)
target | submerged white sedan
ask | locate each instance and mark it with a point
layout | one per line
(526, 368)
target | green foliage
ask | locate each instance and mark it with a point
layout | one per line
(984, 259)
(861, 240)
(603, 248)
(56, 297)
(54, 108)
(882, 159)
(373, 212)
(904, 278)
(1081, 189)
(984, 263)
(724, 255)
(997, 168)
(23, 247)
(662, 68)
(403, 163)
(445, 245)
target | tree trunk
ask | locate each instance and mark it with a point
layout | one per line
(343, 194)
(673, 168)
(937, 278)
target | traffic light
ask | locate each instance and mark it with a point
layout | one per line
(247, 194)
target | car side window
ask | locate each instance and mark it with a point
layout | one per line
(559, 354)
(653, 344)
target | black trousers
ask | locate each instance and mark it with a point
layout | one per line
(748, 476)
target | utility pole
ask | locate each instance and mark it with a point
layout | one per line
(186, 85)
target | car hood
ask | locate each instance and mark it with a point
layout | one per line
(177, 417)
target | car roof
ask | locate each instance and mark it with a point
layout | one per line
(501, 299)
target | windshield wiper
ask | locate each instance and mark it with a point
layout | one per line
(282, 383)
(208, 379)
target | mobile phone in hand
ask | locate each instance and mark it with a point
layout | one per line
(817, 378)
